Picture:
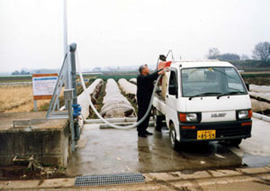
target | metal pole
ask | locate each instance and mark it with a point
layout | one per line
(75, 105)
(72, 49)
(65, 28)
(35, 105)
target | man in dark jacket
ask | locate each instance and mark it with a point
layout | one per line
(145, 86)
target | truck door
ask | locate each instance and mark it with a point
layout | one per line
(171, 98)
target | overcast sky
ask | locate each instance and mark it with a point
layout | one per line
(127, 32)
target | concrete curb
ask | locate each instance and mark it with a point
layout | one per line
(37, 184)
(150, 179)
(260, 116)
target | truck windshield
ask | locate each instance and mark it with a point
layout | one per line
(211, 81)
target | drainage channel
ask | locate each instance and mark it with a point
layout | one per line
(110, 179)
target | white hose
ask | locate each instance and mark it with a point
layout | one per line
(104, 120)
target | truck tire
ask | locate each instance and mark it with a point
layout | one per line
(175, 144)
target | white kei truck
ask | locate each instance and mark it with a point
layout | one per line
(203, 101)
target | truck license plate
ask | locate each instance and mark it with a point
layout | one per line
(206, 134)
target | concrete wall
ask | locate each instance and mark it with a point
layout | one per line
(47, 140)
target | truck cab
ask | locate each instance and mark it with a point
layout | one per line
(205, 101)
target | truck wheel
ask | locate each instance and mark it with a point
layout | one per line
(174, 142)
(235, 142)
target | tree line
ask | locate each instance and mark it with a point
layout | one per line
(261, 52)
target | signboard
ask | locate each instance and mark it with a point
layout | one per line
(43, 85)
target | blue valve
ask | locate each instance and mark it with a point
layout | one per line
(76, 110)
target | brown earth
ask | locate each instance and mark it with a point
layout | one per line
(18, 172)
(260, 81)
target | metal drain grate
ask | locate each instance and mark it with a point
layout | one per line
(95, 180)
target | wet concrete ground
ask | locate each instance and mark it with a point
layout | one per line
(110, 151)
(255, 151)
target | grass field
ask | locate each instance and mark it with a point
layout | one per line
(18, 99)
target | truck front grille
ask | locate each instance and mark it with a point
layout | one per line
(223, 131)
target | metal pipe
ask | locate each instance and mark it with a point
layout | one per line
(75, 105)
(72, 49)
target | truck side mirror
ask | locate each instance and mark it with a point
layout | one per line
(173, 90)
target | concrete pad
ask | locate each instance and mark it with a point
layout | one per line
(179, 175)
(194, 175)
(124, 187)
(224, 180)
(148, 177)
(221, 173)
(162, 176)
(264, 177)
(254, 170)
(113, 151)
(57, 183)
(33, 134)
(38, 120)
(22, 184)
(247, 186)
(183, 184)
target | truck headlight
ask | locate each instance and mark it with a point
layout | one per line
(189, 117)
(244, 114)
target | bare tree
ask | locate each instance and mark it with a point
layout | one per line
(213, 53)
(262, 51)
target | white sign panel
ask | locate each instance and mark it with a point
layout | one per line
(44, 85)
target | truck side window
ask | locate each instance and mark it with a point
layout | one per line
(173, 88)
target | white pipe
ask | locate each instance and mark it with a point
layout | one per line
(112, 120)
